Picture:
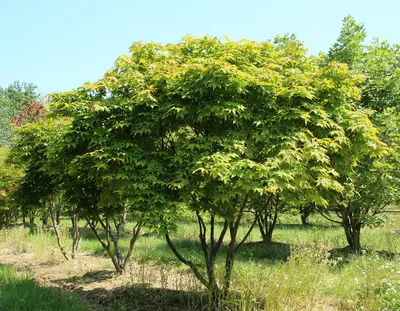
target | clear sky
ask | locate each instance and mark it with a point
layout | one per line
(58, 45)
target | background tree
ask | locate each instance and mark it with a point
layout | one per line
(9, 179)
(12, 99)
(41, 188)
(373, 184)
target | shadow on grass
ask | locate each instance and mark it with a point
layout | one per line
(344, 255)
(191, 249)
(141, 297)
(274, 251)
(92, 277)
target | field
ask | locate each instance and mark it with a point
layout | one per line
(305, 268)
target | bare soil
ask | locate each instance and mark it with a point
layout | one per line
(142, 287)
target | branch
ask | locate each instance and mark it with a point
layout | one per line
(326, 217)
(247, 234)
(135, 234)
(187, 262)
(222, 235)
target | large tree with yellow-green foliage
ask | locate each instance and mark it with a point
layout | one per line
(211, 125)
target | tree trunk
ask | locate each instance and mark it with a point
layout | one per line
(304, 219)
(24, 216)
(352, 229)
(58, 215)
(267, 223)
(44, 218)
(56, 230)
(116, 257)
(77, 236)
(305, 212)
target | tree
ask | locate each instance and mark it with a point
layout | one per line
(306, 209)
(9, 179)
(40, 187)
(12, 99)
(206, 125)
(373, 184)
(30, 113)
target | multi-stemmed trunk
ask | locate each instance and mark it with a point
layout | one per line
(352, 228)
(268, 215)
(77, 235)
(211, 245)
(77, 232)
(112, 237)
(266, 223)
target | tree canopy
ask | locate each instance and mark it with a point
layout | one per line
(207, 125)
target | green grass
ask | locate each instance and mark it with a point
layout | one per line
(18, 292)
(304, 269)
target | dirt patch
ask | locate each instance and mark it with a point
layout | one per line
(142, 287)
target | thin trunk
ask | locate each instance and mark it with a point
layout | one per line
(77, 236)
(58, 216)
(56, 230)
(44, 217)
(135, 235)
(304, 219)
(189, 263)
(119, 262)
(24, 216)
(305, 212)
(107, 247)
(234, 246)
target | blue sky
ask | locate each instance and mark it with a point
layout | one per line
(58, 45)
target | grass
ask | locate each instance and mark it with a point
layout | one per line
(18, 292)
(304, 269)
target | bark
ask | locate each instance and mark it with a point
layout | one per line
(305, 212)
(77, 236)
(45, 217)
(56, 230)
(58, 216)
(106, 245)
(234, 246)
(135, 235)
(267, 223)
(304, 218)
(267, 216)
(112, 238)
(210, 247)
(352, 229)
(189, 263)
